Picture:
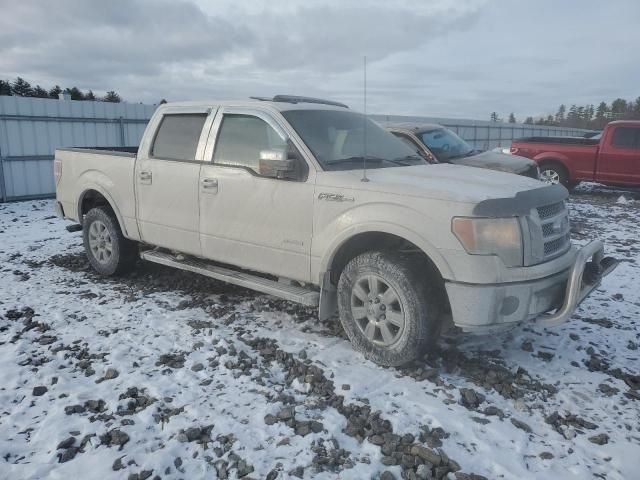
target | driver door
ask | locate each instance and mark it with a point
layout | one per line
(247, 219)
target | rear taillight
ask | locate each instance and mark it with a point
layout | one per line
(513, 150)
(57, 170)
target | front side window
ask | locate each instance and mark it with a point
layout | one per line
(624, 137)
(445, 144)
(178, 136)
(241, 139)
(337, 140)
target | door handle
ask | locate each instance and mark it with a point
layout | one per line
(210, 185)
(145, 177)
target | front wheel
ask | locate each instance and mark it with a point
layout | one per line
(387, 309)
(109, 252)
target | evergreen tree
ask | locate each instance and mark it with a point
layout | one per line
(75, 93)
(512, 118)
(55, 91)
(618, 108)
(89, 96)
(549, 120)
(112, 96)
(5, 88)
(560, 114)
(494, 117)
(636, 108)
(40, 92)
(529, 121)
(572, 116)
(21, 88)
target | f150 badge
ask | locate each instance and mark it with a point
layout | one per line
(334, 197)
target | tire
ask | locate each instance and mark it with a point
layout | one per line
(109, 252)
(554, 173)
(392, 279)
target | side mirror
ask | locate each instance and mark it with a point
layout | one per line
(276, 164)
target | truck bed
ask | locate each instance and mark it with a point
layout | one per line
(559, 140)
(87, 169)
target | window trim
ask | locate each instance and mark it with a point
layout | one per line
(157, 132)
(144, 152)
(214, 133)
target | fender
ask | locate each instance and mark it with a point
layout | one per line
(328, 294)
(88, 186)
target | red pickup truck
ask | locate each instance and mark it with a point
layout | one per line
(612, 158)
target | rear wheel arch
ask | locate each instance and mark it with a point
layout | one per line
(93, 197)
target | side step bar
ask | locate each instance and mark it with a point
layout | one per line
(288, 292)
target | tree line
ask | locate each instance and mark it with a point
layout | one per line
(21, 88)
(584, 116)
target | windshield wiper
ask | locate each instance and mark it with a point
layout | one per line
(406, 158)
(359, 158)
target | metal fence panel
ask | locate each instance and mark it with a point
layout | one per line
(487, 135)
(32, 128)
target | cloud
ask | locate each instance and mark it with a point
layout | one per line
(442, 58)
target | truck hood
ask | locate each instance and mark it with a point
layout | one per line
(496, 161)
(447, 182)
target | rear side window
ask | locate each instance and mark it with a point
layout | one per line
(624, 137)
(178, 136)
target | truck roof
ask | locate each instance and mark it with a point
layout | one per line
(414, 127)
(279, 102)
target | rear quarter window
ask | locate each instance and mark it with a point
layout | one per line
(177, 137)
(626, 137)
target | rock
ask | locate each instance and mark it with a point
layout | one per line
(470, 398)
(286, 413)
(114, 437)
(273, 474)
(521, 425)
(67, 443)
(376, 440)
(346, 386)
(197, 367)
(111, 373)
(193, 433)
(39, 391)
(546, 455)
(270, 419)
(297, 472)
(600, 439)
(302, 355)
(388, 460)
(68, 454)
(117, 465)
(71, 409)
(491, 411)
(387, 475)
(316, 427)
(527, 346)
(423, 472)
(426, 454)
(545, 356)
(302, 429)
(244, 468)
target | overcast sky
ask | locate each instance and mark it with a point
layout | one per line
(450, 58)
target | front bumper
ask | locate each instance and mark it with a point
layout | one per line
(495, 307)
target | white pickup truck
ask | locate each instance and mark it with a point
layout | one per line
(271, 194)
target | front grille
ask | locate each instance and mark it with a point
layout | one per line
(556, 245)
(550, 210)
(549, 233)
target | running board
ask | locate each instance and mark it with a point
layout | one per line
(288, 292)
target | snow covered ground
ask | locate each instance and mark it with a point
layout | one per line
(165, 374)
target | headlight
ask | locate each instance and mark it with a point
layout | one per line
(491, 236)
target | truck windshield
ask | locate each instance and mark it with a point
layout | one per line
(445, 144)
(336, 139)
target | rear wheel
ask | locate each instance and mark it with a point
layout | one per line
(554, 174)
(386, 308)
(109, 252)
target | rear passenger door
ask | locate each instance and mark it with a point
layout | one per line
(166, 179)
(619, 157)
